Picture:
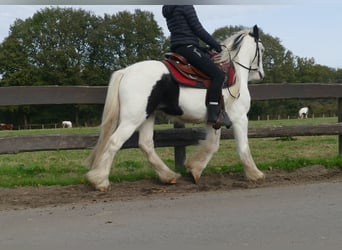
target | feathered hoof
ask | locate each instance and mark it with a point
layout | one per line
(100, 183)
(194, 177)
(255, 176)
(172, 179)
(103, 189)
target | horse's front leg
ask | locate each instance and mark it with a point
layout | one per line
(241, 136)
(208, 147)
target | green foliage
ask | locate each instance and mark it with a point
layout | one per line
(66, 46)
(125, 38)
(281, 66)
(223, 33)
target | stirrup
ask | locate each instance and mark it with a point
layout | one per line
(223, 119)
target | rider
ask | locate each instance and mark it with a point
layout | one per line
(186, 31)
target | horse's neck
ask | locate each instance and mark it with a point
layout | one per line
(242, 74)
(244, 57)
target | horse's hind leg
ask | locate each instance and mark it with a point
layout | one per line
(99, 173)
(208, 147)
(146, 144)
(241, 136)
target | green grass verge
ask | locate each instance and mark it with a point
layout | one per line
(284, 164)
(67, 167)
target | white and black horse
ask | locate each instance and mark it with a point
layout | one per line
(135, 92)
(66, 124)
(303, 112)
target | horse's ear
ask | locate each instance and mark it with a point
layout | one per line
(256, 32)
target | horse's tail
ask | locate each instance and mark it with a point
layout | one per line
(110, 117)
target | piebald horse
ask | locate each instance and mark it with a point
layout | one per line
(303, 112)
(135, 92)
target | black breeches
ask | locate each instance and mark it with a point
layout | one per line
(201, 60)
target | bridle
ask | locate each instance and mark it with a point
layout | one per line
(256, 56)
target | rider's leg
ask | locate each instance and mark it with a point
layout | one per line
(201, 60)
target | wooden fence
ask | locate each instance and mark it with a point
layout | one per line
(178, 137)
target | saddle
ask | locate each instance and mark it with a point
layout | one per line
(186, 74)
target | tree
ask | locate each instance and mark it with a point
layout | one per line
(64, 46)
(15, 67)
(338, 76)
(277, 61)
(124, 38)
(223, 33)
(304, 69)
(281, 66)
(53, 46)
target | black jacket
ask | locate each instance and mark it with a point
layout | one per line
(185, 28)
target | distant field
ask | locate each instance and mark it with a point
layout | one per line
(67, 167)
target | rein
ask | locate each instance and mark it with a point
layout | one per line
(257, 55)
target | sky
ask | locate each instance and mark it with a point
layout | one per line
(310, 29)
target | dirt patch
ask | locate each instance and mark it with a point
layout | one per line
(33, 197)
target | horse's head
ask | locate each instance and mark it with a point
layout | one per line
(246, 50)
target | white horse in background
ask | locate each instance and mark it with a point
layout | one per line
(66, 124)
(303, 112)
(135, 92)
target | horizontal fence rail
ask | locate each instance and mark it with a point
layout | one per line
(31, 95)
(163, 138)
(178, 138)
(294, 90)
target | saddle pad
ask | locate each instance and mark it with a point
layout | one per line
(181, 79)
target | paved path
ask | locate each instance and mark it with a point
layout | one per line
(296, 217)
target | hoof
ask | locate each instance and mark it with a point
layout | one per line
(103, 189)
(174, 180)
(171, 180)
(99, 182)
(256, 176)
(194, 177)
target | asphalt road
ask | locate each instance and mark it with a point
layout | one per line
(293, 217)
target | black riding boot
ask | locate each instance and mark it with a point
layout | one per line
(218, 116)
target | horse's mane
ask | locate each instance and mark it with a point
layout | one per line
(233, 45)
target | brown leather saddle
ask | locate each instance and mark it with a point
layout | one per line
(188, 75)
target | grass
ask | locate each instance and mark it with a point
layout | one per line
(81, 130)
(42, 168)
(67, 167)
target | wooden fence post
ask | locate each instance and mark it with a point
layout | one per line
(339, 116)
(179, 151)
